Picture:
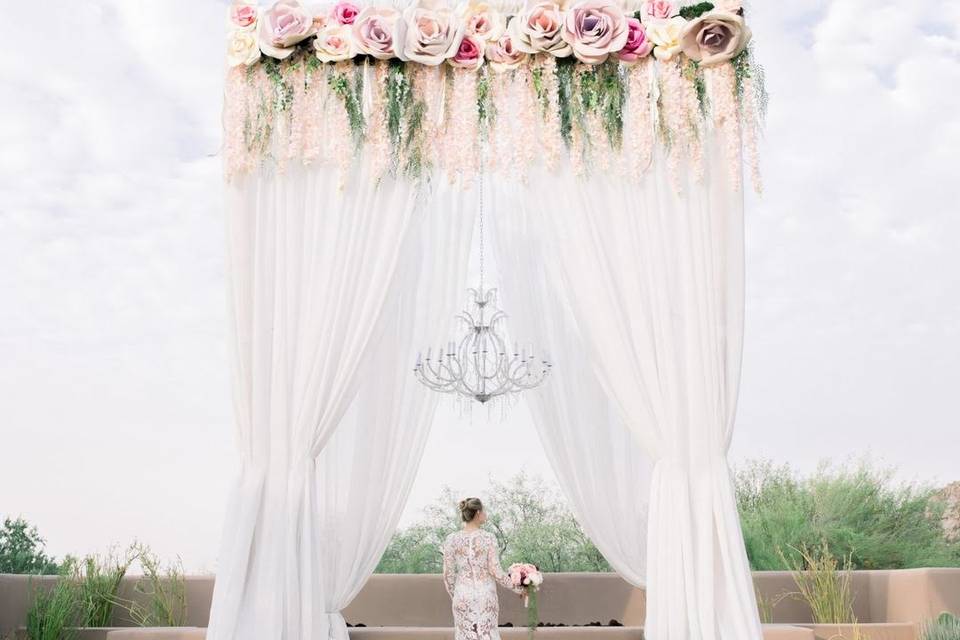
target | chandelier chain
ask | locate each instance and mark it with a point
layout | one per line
(480, 187)
(480, 365)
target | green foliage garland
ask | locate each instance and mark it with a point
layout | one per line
(695, 10)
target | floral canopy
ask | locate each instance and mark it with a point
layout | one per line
(436, 88)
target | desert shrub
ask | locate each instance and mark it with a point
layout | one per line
(945, 627)
(859, 512)
(163, 589)
(98, 581)
(22, 550)
(823, 584)
(55, 611)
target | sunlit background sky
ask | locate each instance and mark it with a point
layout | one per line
(114, 400)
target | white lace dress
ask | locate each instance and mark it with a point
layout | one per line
(471, 572)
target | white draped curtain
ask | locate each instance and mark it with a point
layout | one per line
(311, 268)
(654, 282)
(635, 288)
(600, 466)
(366, 471)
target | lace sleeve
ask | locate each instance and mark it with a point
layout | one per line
(449, 576)
(493, 566)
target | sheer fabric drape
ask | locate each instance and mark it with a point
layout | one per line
(310, 267)
(366, 471)
(600, 466)
(654, 280)
(637, 290)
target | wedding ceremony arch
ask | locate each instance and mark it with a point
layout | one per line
(613, 139)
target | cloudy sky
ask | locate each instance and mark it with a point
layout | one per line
(114, 400)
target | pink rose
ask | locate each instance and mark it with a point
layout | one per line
(243, 16)
(334, 43)
(282, 26)
(378, 32)
(714, 37)
(538, 30)
(484, 21)
(657, 10)
(433, 32)
(345, 12)
(594, 29)
(504, 55)
(637, 45)
(469, 54)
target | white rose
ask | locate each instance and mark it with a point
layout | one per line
(433, 32)
(485, 22)
(379, 32)
(538, 30)
(242, 48)
(334, 43)
(504, 55)
(665, 35)
(282, 26)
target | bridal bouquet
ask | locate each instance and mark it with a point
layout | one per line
(528, 578)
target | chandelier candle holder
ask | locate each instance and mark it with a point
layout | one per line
(479, 366)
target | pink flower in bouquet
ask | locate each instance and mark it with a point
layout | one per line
(470, 53)
(243, 16)
(525, 576)
(595, 29)
(638, 46)
(658, 10)
(345, 12)
(282, 26)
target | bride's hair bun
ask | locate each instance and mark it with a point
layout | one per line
(469, 508)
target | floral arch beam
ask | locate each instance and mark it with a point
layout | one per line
(419, 90)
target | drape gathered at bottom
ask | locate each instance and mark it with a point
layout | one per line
(654, 282)
(310, 268)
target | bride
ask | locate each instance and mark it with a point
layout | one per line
(471, 572)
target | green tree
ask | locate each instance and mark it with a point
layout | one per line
(530, 519)
(858, 511)
(22, 549)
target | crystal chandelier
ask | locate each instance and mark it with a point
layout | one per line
(479, 365)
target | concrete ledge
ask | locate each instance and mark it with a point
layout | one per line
(158, 633)
(770, 632)
(868, 631)
(786, 632)
(908, 597)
